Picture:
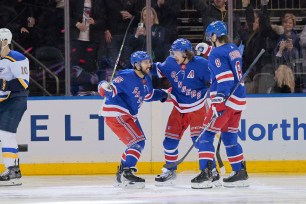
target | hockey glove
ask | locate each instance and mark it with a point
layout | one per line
(3, 85)
(218, 105)
(167, 95)
(203, 49)
(105, 89)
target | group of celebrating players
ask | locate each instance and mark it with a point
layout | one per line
(208, 95)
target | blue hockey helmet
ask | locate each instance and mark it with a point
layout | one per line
(182, 45)
(217, 27)
(139, 56)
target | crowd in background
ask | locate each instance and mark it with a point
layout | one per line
(98, 27)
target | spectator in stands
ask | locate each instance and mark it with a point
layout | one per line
(86, 29)
(29, 34)
(218, 11)
(118, 14)
(303, 43)
(288, 47)
(138, 40)
(167, 12)
(261, 36)
(284, 80)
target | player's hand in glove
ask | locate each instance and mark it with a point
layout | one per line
(167, 95)
(203, 49)
(3, 85)
(218, 105)
(105, 89)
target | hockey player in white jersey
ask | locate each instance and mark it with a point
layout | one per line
(14, 80)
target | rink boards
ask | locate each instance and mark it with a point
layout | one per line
(65, 135)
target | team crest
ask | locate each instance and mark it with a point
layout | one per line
(135, 90)
(118, 79)
(173, 74)
(191, 74)
(218, 62)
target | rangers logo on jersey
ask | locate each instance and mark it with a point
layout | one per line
(173, 74)
(135, 90)
(118, 79)
(191, 74)
(218, 62)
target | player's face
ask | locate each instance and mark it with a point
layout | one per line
(146, 66)
(178, 56)
(3, 43)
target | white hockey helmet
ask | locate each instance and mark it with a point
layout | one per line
(5, 34)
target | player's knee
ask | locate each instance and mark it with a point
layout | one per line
(170, 144)
(208, 137)
(229, 139)
(139, 145)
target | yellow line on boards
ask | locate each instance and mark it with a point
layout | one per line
(153, 168)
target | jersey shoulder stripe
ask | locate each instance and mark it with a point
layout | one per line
(15, 56)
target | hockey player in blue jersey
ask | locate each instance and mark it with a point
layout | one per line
(190, 78)
(14, 80)
(124, 96)
(225, 65)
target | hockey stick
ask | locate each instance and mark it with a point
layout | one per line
(117, 61)
(213, 118)
(220, 163)
(170, 165)
(120, 50)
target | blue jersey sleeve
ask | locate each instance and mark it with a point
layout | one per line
(154, 94)
(205, 72)
(118, 84)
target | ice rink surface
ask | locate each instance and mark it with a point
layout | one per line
(264, 188)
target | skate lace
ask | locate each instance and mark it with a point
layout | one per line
(5, 173)
(165, 171)
(232, 174)
(214, 172)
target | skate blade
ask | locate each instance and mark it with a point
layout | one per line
(165, 183)
(217, 184)
(12, 182)
(132, 185)
(237, 184)
(117, 185)
(203, 185)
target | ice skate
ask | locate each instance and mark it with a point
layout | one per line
(237, 178)
(216, 179)
(203, 180)
(129, 180)
(167, 178)
(11, 176)
(118, 176)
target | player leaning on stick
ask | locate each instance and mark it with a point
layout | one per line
(225, 64)
(14, 80)
(124, 96)
(189, 77)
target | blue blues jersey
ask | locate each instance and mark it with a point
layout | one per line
(189, 82)
(14, 66)
(225, 64)
(129, 92)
